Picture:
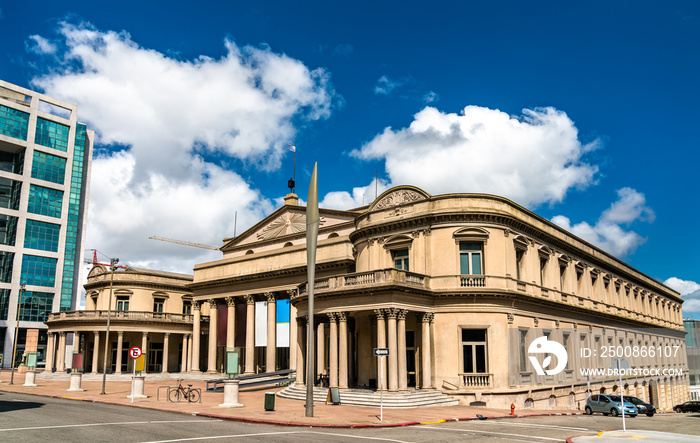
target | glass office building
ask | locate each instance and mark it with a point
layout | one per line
(45, 157)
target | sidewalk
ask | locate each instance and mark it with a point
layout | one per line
(287, 412)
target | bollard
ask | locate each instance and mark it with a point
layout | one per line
(76, 379)
(231, 394)
(30, 378)
(138, 383)
(512, 409)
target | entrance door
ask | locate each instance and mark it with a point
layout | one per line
(411, 358)
(155, 357)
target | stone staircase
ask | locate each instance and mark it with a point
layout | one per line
(367, 397)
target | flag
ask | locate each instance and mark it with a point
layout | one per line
(293, 148)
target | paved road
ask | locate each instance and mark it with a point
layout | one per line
(28, 418)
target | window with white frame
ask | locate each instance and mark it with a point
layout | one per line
(470, 258)
(400, 257)
(474, 351)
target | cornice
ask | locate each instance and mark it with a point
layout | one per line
(300, 270)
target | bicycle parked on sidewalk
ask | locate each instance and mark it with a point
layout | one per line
(180, 392)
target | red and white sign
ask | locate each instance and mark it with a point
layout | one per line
(135, 352)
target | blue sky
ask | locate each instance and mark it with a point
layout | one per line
(584, 113)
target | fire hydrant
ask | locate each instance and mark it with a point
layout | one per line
(512, 409)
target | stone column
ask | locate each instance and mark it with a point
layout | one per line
(183, 357)
(49, 352)
(196, 335)
(381, 343)
(425, 351)
(166, 345)
(190, 341)
(61, 363)
(343, 350)
(120, 345)
(95, 353)
(292, 331)
(301, 343)
(271, 349)
(393, 350)
(250, 336)
(231, 322)
(333, 352)
(401, 335)
(213, 329)
(144, 349)
(320, 349)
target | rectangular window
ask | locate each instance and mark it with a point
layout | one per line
(38, 271)
(36, 306)
(562, 275)
(8, 229)
(470, 258)
(474, 351)
(9, 193)
(4, 303)
(12, 162)
(522, 349)
(45, 201)
(122, 303)
(6, 260)
(400, 257)
(41, 235)
(519, 254)
(543, 266)
(187, 307)
(49, 167)
(51, 134)
(158, 304)
(13, 123)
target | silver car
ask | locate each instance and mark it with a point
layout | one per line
(609, 404)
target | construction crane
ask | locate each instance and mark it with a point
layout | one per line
(185, 243)
(94, 261)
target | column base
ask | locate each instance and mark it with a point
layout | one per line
(231, 405)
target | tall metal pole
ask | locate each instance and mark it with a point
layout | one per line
(112, 264)
(14, 347)
(312, 222)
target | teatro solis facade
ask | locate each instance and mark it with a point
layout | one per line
(458, 287)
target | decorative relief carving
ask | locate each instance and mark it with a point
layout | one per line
(556, 323)
(285, 224)
(401, 314)
(196, 305)
(391, 312)
(397, 198)
(511, 318)
(332, 316)
(213, 303)
(427, 317)
(536, 321)
(292, 293)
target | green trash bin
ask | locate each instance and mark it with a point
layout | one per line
(269, 401)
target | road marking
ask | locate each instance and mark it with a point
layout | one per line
(478, 431)
(203, 420)
(503, 422)
(262, 434)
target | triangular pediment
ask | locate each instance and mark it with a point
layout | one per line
(287, 222)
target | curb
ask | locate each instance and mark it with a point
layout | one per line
(305, 424)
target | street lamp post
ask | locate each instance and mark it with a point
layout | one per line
(113, 264)
(22, 287)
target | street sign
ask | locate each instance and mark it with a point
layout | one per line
(381, 351)
(135, 352)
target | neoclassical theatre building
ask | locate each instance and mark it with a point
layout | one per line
(456, 286)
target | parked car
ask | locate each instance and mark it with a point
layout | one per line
(609, 404)
(689, 406)
(642, 406)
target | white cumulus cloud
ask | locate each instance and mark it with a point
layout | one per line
(385, 85)
(360, 196)
(609, 231)
(532, 159)
(171, 114)
(685, 287)
(39, 45)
